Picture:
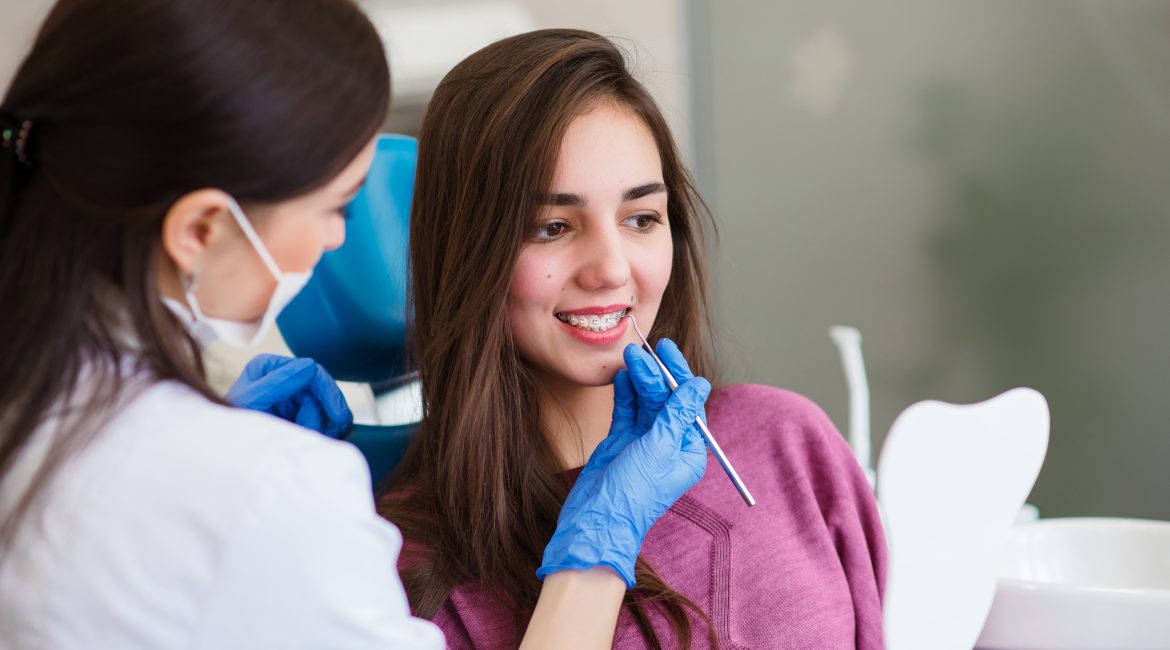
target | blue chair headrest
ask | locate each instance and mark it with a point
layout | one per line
(353, 315)
(383, 447)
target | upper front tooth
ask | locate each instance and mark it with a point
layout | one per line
(595, 322)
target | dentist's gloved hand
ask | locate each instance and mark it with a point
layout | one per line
(653, 454)
(297, 390)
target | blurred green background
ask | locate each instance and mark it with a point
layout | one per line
(982, 188)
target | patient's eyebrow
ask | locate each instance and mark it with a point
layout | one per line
(643, 190)
(578, 201)
(565, 199)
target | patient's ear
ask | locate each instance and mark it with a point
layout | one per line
(191, 225)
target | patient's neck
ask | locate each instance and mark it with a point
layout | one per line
(576, 418)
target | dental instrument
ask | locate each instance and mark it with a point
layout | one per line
(710, 440)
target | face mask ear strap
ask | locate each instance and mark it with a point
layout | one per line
(190, 282)
(250, 233)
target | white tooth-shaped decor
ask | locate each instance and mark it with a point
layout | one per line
(950, 483)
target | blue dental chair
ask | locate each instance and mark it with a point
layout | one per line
(352, 317)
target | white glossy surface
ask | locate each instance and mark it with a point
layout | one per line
(1083, 584)
(848, 342)
(951, 480)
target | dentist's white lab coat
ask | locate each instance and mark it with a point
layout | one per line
(190, 525)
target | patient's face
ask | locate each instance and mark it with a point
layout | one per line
(602, 248)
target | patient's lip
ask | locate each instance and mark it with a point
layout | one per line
(606, 309)
(608, 337)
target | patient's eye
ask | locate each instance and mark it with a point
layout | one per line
(644, 222)
(550, 231)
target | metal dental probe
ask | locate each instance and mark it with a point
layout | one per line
(710, 439)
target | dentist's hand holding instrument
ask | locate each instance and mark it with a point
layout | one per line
(671, 350)
(652, 456)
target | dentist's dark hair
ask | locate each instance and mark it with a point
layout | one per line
(120, 108)
(478, 493)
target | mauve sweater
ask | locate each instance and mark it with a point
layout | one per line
(804, 568)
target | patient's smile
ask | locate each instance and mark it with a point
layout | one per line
(593, 321)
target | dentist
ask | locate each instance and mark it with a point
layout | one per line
(170, 173)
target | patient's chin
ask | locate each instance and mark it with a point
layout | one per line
(592, 375)
(577, 373)
(604, 376)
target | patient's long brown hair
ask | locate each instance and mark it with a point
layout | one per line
(478, 494)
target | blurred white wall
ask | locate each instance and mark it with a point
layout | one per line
(656, 32)
(425, 39)
(17, 29)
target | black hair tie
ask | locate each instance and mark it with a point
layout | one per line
(15, 136)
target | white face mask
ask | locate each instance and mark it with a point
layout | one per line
(241, 334)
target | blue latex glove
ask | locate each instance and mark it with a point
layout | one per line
(653, 454)
(297, 390)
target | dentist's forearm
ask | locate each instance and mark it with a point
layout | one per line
(576, 609)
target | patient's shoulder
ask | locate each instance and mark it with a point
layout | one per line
(750, 406)
(770, 425)
(764, 412)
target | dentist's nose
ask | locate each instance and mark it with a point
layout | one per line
(605, 263)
